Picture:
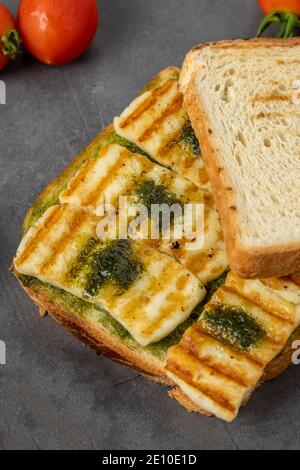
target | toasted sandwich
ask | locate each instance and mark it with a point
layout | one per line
(177, 317)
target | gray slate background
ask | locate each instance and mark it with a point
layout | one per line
(55, 393)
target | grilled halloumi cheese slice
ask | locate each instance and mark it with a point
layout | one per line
(118, 172)
(157, 123)
(211, 261)
(222, 357)
(281, 297)
(147, 292)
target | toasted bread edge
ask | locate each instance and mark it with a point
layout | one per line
(276, 261)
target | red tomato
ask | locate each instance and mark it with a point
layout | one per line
(9, 40)
(57, 31)
(292, 6)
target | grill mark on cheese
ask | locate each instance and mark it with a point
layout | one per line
(51, 220)
(182, 282)
(197, 262)
(155, 284)
(195, 333)
(267, 312)
(152, 287)
(273, 283)
(248, 354)
(256, 299)
(133, 309)
(226, 372)
(164, 277)
(74, 223)
(215, 395)
(173, 300)
(174, 106)
(79, 178)
(93, 196)
(190, 162)
(171, 155)
(145, 105)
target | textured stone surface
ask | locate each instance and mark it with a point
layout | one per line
(55, 393)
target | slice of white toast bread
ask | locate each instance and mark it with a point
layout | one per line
(243, 98)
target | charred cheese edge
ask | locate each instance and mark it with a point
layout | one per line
(118, 172)
(210, 365)
(62, 249)
(157, 123)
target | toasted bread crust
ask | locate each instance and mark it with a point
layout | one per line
(249, 43)
(275, 261)
(98, 339)
(104, 344)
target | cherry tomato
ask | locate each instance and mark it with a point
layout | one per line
(57, 31)
(9, 38)
(284, 13)
(292, 6)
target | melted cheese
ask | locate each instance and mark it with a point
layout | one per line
(163, 295)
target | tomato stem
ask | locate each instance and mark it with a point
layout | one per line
(288, 21)
(11, 43)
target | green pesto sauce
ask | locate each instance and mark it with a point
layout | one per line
(80, 307)
(116, 263)
(148, 193)
(234, 326)
(188, 137)
(129, 145)
(77, 305)
(82, 259)
(85, 309)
